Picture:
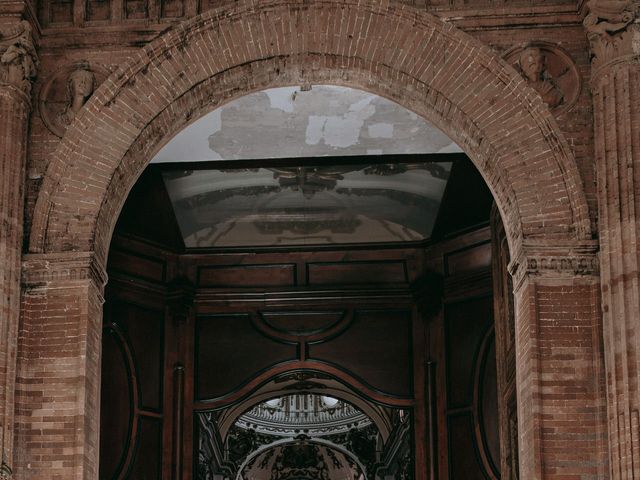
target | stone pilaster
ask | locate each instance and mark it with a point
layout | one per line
(58, 381)
(18, 63)
(559, 372)
(613, 28)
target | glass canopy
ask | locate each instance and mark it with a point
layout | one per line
(305, 204)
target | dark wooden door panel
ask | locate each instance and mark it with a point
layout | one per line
(144, 329)
(147, 460)
(466, 324)
(116, 413)
(464, 461)
(472, 410)
(375, 348)
(132, 390)
(230, 351)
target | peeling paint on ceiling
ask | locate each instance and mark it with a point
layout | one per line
(287, 122)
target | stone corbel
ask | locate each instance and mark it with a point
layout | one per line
(613, 29)
(554, 263)
(18, 57)
(5, 472)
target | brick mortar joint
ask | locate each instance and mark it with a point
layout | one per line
(564, 262)
(54, 270)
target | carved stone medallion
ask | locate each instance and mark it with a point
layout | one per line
(66, 91)
(550, 71)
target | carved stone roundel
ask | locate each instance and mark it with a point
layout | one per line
(66, 91)
(550, 70)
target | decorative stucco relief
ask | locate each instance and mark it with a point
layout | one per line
(550, 71)
(64, 93)
(18, 58)
(613, 29)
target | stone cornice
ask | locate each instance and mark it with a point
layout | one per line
(17, 10)
(613, 30)
(554, 262)
(62, 270)
(468, 19)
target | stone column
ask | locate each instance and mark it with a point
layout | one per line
(560, 389)
(58, 382)
(17, 68)
(613, 29)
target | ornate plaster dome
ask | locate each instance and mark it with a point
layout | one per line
(301, 459)
(308, 414)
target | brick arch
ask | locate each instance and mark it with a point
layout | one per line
(401, 53)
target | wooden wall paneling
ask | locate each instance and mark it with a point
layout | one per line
(468, 258)
(428, 293)
(177, 427)
(118, 405)
(357, 273)
(138, 333)
(420, 394)
(485, 407)
(147, 463)
(230, 351)
(294, 323)
(137, 265)
(467, 326)
(180, 313)
(144, 330)
(172, 358)
(376, 349)
(505, 348)
(437, 358)
(243, 276)
(432, 419)
(463, 462)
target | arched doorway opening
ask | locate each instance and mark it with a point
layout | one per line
(161, 89)
(345, 271)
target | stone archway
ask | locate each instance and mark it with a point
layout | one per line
(431, 68)
(398, 52)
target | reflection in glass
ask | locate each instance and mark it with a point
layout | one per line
(307, 205)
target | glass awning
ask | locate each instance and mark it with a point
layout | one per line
(305, 204)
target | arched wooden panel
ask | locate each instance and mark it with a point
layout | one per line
(376, 348)
(296, 324)
(471, 407)
(146, 464)
(230, 351)
(486, 407)
(145, 332)
(117, 414)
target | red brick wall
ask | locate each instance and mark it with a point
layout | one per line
(561, 408)
(537, 172)
(476, 109)
(59, 370)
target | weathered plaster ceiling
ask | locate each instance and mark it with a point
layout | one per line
(287, 122)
